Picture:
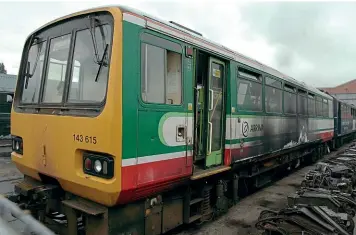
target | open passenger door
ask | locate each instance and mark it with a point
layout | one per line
(215, 100)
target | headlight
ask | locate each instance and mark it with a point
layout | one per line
(97, 166)
(17, 144)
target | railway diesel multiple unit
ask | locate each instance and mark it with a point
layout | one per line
(126, 124)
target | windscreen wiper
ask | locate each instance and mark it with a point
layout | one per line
(93, 36)
(102, 62)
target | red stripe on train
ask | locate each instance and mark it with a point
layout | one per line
(326, 136)
(227, 157)
(139, 181)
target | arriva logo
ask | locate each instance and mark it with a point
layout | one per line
(245, 129)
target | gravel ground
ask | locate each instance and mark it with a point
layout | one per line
(241, 219)
(9, 176)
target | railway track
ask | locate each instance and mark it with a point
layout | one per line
(241, 218)
(9, 176)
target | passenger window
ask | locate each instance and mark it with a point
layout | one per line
(311, 105)
(319, 106)
(302, 103)
(325, 108)
(58, 56)
(273, 82)
(249, 91)
(290, 103)
(161, 75)
(273, 100)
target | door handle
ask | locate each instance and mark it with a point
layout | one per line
(180, 134)
(210, 136)
(211, 100)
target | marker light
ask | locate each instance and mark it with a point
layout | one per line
(105, 168)
(97, 166)
(87, 164)
(17, 146)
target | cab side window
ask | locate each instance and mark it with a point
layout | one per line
(161, 80)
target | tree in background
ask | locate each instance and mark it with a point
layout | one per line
(2, 68)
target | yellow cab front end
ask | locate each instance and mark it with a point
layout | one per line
(66, 118)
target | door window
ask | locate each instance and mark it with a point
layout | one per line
(217, 105)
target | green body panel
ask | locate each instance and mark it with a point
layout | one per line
(213, 159)
(142, 122)
(130, 83)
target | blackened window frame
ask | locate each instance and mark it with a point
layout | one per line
(325, 107)
(289, 88)
(241, 72)
(311, 98)
(57, 29)
(278, 88)
(319, 101)
(302, 95)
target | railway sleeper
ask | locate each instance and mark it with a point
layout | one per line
(73, 215)
(202, 200)
(318, 220)
(325, 203)
(337, 202)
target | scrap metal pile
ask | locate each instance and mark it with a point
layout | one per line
(324, 204)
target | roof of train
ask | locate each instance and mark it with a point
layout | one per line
(196, 37)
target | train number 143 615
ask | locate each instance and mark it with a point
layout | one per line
(85, 139)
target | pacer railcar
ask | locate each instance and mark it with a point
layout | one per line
(126, 124)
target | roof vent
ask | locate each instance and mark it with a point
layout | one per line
(185, 28)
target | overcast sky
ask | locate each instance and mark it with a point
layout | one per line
(312, 42)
